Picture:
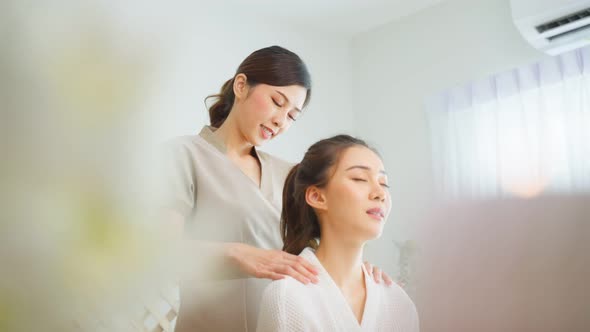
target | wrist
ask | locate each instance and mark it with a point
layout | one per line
(234, 257)
(232, 250)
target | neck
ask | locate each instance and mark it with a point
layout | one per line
(343, 261)
(235, 143)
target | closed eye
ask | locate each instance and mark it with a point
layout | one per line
(385, 185)
(276, 102)
(359, 179)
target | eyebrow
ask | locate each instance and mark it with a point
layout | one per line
(287, 99)
(366, 168)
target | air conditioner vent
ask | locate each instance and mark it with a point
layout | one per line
(568, 33)
(563, 20)
(553, 26)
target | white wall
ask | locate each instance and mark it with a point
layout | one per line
(209, 44)
(373, 85)
(398, 65)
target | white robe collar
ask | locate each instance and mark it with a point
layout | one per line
(341, 309)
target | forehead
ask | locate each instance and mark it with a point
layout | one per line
(359, 156)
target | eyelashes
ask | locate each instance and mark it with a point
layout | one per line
(279, 105)
(385, 185)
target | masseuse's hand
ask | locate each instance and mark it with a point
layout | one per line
(377, 274)
(271, 264)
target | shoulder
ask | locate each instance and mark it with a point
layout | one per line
(396, 295)
(278, 166)
(284, 307)
(289, 292)
(178, 156)
(276, 161)
(285, 286)
(184, 149)
(181, 143)
(398, 304)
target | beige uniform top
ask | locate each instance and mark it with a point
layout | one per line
(221, 203)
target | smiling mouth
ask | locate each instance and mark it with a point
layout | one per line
(268, 133)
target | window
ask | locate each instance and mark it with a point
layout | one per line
(522, 133)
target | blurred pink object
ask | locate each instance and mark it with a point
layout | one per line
(506, 265)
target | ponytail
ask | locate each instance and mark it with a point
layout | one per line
(219, 111)
(299, 223)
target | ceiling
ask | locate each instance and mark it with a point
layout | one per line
(347, 17)
(343, 17)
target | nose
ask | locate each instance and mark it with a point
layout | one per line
(280, 119)
(378, 193)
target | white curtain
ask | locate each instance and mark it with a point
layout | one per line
(525, 132)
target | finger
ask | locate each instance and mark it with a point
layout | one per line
(290, 271)
(299, 267)
(377, 274)
(369, 268)
(305, 263)
(272, 275)
(304, 267)
(387, 279)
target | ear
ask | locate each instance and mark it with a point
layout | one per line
(316, 198)
(240, 86)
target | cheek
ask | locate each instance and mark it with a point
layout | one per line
(348, 196)
(259, 103)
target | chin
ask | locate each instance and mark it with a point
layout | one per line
(255, 141)
(378, 235)
(366, 235)
(374, 233)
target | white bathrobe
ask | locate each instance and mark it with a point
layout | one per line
(288, 305)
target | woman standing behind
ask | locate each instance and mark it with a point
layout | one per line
(338, 195)
(224, 196)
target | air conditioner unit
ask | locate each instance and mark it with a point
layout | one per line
(553, 26)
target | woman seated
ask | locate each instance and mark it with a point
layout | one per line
(334, 201)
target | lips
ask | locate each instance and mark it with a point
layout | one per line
(376, 212)
(267, 132)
